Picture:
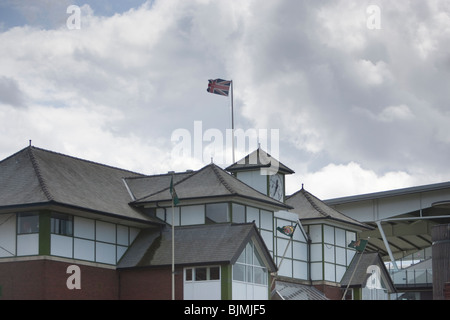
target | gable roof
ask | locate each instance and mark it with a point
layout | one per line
(256, 160)
(357, 272)
(36, 176)
(308, 207)
(194, 245)
(209, 182)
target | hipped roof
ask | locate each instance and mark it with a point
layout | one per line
(308, 207)
(209, 182)
(256, 160)
(194, 245)
(35, 176)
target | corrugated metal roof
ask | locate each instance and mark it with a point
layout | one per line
(295, 291)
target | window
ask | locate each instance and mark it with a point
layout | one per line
(61, 224)
(249, 266)
(202, 273)
(238, 213)
(27, 223)
(217, 212)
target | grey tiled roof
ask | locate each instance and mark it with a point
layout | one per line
(209, 182)
(38, 176)
(357, 271)
(258, 159)
(295, 291)
(141, 187)
(200, 244)
(309, 207)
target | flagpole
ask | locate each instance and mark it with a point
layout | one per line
(353, 273)
(173, 244)
(232, 121)
(284, 254)
(173, 252)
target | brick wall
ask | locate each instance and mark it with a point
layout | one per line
(46, 279)
(154, 283)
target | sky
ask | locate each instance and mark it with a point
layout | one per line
(350, 94)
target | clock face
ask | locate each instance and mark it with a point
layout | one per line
(276, 188)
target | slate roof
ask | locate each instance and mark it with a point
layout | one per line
(37, 176)
(141, 187)
(295, 291)
(357, 271)
(256, 160)
(209, 182)
(199, 244)
(309, 207)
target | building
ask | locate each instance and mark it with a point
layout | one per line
(403, 220)
(76, 229)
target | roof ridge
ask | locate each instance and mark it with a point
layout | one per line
(37, 170)
(86, 161)
(222, 180)
(315, 206)
(167, 188)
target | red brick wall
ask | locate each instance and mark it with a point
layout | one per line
(447, 291)
(152, 284)
(46, 279)
(332, 293)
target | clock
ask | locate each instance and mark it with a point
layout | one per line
(276, 188)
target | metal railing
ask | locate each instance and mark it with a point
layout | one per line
(414, 277)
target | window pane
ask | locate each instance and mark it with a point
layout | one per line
(260, 275)
(266, 220)
(188, 274)
(105, 231)
(200, 274)
(328, 234)
(191, 215)
(253, 215)
(239, 272)
(238, 213)
(84, 228)
(28, 223)
(61, 224)
(248, 253)
(214, 273)
(217, 212)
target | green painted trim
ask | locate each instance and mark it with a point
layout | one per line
(44, 232)
(357, 293)
(226, 282)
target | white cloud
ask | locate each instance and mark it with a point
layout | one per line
(344, 180)
(115, 90)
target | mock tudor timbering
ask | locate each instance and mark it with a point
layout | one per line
(57, 211)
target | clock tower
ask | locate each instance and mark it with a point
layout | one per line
(263, 173)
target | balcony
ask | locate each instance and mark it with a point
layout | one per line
(412, 278)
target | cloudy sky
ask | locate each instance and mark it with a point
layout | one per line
(352, 95)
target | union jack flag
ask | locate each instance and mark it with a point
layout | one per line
(219, 86)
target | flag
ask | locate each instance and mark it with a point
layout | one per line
(287, 230)
(173, 193)
(219, 86)
(359, 245)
